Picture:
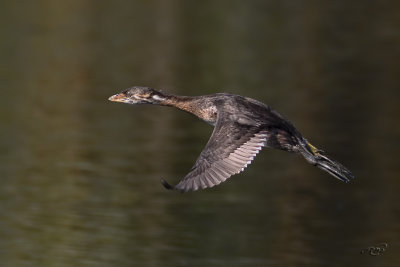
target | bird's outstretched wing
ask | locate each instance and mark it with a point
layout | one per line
(232, 146)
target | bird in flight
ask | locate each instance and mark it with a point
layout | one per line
(242, 127)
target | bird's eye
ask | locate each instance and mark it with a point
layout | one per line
(146, 95)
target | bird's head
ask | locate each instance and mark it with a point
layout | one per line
(139, 95)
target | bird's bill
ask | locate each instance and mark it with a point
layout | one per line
(118, 98)
(123, 98)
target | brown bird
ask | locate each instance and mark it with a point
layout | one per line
(242, 127)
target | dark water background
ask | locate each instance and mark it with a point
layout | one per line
(79, 176)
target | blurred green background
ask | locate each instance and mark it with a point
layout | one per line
(80, 175)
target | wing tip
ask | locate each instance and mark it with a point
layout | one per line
(167, 185)
(170, 187)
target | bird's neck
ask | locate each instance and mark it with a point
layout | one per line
(191, 104)
(185, 103)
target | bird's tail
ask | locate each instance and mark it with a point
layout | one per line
(321, 160)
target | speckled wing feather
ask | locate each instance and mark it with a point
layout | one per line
(232, 146)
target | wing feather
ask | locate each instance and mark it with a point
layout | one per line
(231, 148)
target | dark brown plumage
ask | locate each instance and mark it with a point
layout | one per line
(242, 127)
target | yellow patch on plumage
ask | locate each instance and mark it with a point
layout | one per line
(314, 150)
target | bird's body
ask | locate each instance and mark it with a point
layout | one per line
(242, 126)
